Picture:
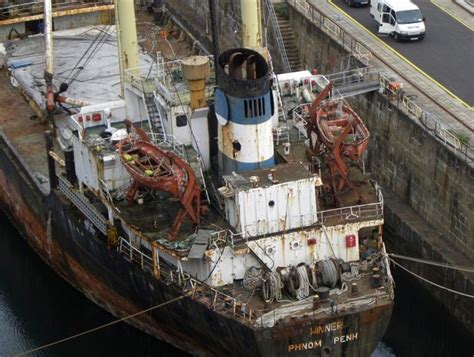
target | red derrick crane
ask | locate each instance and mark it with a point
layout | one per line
(335, 131)
(161, 170)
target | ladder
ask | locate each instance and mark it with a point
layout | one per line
(154, 116)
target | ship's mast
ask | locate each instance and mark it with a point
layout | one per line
(48, 72)
(251, 23)
(127, 38)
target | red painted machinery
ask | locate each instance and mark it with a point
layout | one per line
(336, 132)
(161, 170)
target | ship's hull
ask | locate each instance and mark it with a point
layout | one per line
(68, 243)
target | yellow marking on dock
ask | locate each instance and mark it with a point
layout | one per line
(375, 37)
(452, 15)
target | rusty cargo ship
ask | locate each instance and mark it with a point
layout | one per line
(233, 206)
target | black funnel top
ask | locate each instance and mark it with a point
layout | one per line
(243, 73)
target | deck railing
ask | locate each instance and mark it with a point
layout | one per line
(82, 204)
(343, 215)
(369, 211)
(215, 299)
(134, 255)
(168, 142)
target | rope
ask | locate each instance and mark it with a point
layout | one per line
(251, 278)
(431, 262)
(430, 282)
(329, 273)
(304, 284)
(100, 327)
(272, 287)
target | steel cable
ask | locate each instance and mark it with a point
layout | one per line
(431, 282)
(431, 262)
(102, 326)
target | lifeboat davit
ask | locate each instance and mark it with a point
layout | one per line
(157, 169)
(336, 132)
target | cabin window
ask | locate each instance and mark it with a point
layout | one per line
(181, 120)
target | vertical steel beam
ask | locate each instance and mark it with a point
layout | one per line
(214, 33)
(251, 23)
(48, 36)
(53, 180)
(127, 39)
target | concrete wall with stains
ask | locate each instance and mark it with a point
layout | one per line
(194, 14)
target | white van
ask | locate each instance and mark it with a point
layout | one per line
(400, 18)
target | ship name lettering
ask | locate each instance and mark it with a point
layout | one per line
(346, 338)
(304, 346)
(333, 326)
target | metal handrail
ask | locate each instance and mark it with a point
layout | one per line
(169, 142)
(186, 282)
(134, 254)
(431, 122)
(354, 75)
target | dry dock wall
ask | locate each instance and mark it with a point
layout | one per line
(429, 189)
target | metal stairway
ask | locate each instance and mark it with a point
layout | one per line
(289, 43)
(154, 115)
(277, 35)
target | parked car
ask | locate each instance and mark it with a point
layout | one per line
(357, 2)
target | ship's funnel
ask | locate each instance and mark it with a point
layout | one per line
(244, 107)
(196, 71)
